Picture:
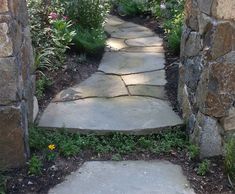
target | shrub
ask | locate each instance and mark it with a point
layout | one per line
(89, 41)
(89, 14)
(230, 159)
(131, 7)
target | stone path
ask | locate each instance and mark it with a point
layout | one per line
(126, 94)
(127, 177)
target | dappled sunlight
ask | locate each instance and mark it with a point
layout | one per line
(116, 44)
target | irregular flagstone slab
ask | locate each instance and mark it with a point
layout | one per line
(114, 20)
(131, 25)
(143, 49)
(115, 44)
(98, 85)
(130, 114)
(145, 90)
(110, 29)
(127, 63)
(135, 32)
(125, 177)
(146, 41)
(150, 78)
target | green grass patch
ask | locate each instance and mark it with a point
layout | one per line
(117, 144)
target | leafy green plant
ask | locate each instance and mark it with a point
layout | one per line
(203, 167)
(193, 151)
(116, 157)
(89, 41)
(89, 14)
(230, 159)
(41, 84)
(35, 165)
(2, 183)
(131, 7)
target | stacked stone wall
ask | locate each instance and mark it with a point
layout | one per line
(16, 83)
(207, 74)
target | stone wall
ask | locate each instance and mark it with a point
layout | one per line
(207, 74)
(16, 82)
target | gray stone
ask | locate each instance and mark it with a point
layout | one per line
(151, 78)
(35, 108)
(205, 6)
(123, 114)
(127, 177)
(6, 46)
(135, 32)
(98, 85)
(110, 29)
(210, 136)
(127, 63)
(193, 44)
(145, 90)
(114, 21)
(228, 122)
(147, 41)
(203, 21)
(115, 44)
(143, 49)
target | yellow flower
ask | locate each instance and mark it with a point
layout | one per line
(51, 147)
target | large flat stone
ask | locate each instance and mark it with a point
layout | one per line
(127, 177)
(115, 44)
(150, 78)
(147, 41)
(134, 32)
(145, 90)
(143, 49)
(127, 63)
(114, 20)
(123, 114)
(98, 85)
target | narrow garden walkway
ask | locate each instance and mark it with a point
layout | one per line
(126, 94)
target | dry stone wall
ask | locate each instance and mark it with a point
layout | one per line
(207, 74)
(16, 82)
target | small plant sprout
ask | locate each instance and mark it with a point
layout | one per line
(203, 167)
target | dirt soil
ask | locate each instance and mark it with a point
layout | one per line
(20, 182)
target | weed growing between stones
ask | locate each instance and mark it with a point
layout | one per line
(2, 183)
(203, 167)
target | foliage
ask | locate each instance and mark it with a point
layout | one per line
(89, 14)
(2, 183)
(41, 84)
(131, 7)
(68, 144)
(203, 167)
(171, 12)
(35, 165)
(89, 41)
(230, 158)
(193, 151)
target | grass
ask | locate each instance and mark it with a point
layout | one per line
(2, 183)
(69, 144)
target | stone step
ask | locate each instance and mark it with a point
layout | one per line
(130, 114)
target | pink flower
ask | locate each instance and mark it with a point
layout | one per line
(65, 17)
(53, 16)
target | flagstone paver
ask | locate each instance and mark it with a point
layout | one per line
(98, 85)
(128, 63)
(132, 114)
(147, 41)
(150, 78)
(127, 177)
(145, 90)
(126, 94)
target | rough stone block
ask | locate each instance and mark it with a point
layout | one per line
(3, 6)
(224, 9)
(12, 145)
(191, 14)
(204, 21)
(205, 6)
(8, 80)
(210, 139)
(192, 44)
(228, 122)
(6, 48)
